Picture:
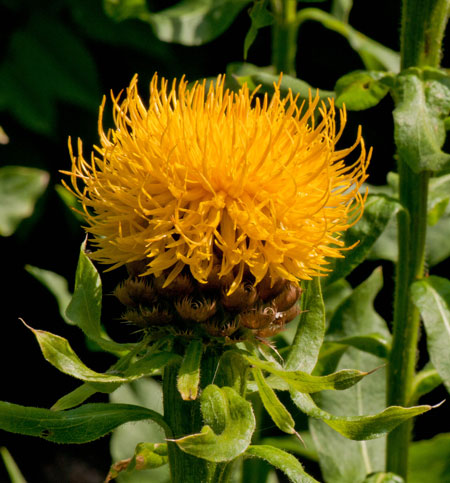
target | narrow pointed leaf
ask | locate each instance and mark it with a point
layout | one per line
(304, 382)
(13, 470)
(432, 297)
(305, 348)
(80, 425)
(359, 427)
(84, 309)
(425, 381)
(227, 413)
(285, 462)
(189, 375)
(74, 398)
(278, 412)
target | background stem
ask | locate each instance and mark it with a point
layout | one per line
(284, 35)
(423, 25)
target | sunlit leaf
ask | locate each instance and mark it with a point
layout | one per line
(84, 310)
(302, 381)
(432, 297)
(20, 188)
(276, 409)
(229, 425)
(80, 425)
(359, 427)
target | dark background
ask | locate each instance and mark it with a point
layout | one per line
(51, 238)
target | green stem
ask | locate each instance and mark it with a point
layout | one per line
(184, 417)
(284, 35)
(423, 25)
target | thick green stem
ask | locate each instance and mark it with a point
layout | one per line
(423, 25)
(284, 35)
(184, 417)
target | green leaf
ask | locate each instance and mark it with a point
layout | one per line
(359, 428)
(432, 297)
(293, 445)
(230, 423)
(144, 392)
(56, 284)
(374, 344)
(354, 459)
(378, 210)
(80, 425)
(341, 9)
(356, 315)
(232, 371)
(11, 467)
(304, 382)
(189, 375)
(287, 463)
(422, 103)
(76, 397)
(277, 411)
(20, 188)
(188, 22)
(424, 382)
(362, 89)
(84, 309)
(308, 339)
(382, 477)
(429, 460)
(260, 17)
(374, 55)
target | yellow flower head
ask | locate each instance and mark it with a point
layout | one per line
(202, 176)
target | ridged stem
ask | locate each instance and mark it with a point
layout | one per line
(423, 25)
(184, 418)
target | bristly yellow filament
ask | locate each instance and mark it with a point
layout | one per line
(202, 172)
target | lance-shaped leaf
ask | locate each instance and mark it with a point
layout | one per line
(189, 374)
(304, 382)
(432, 297)
(287, 463)
(20, 188)
(362, 89)
(359, 427)
(378, 211)
(80, 425)
(278, 412)
(230, 423)
(85, 307)
(422, 103)
(58, 352)
(188, 22)
(147, 456)
(308, 339)
(13, 470)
